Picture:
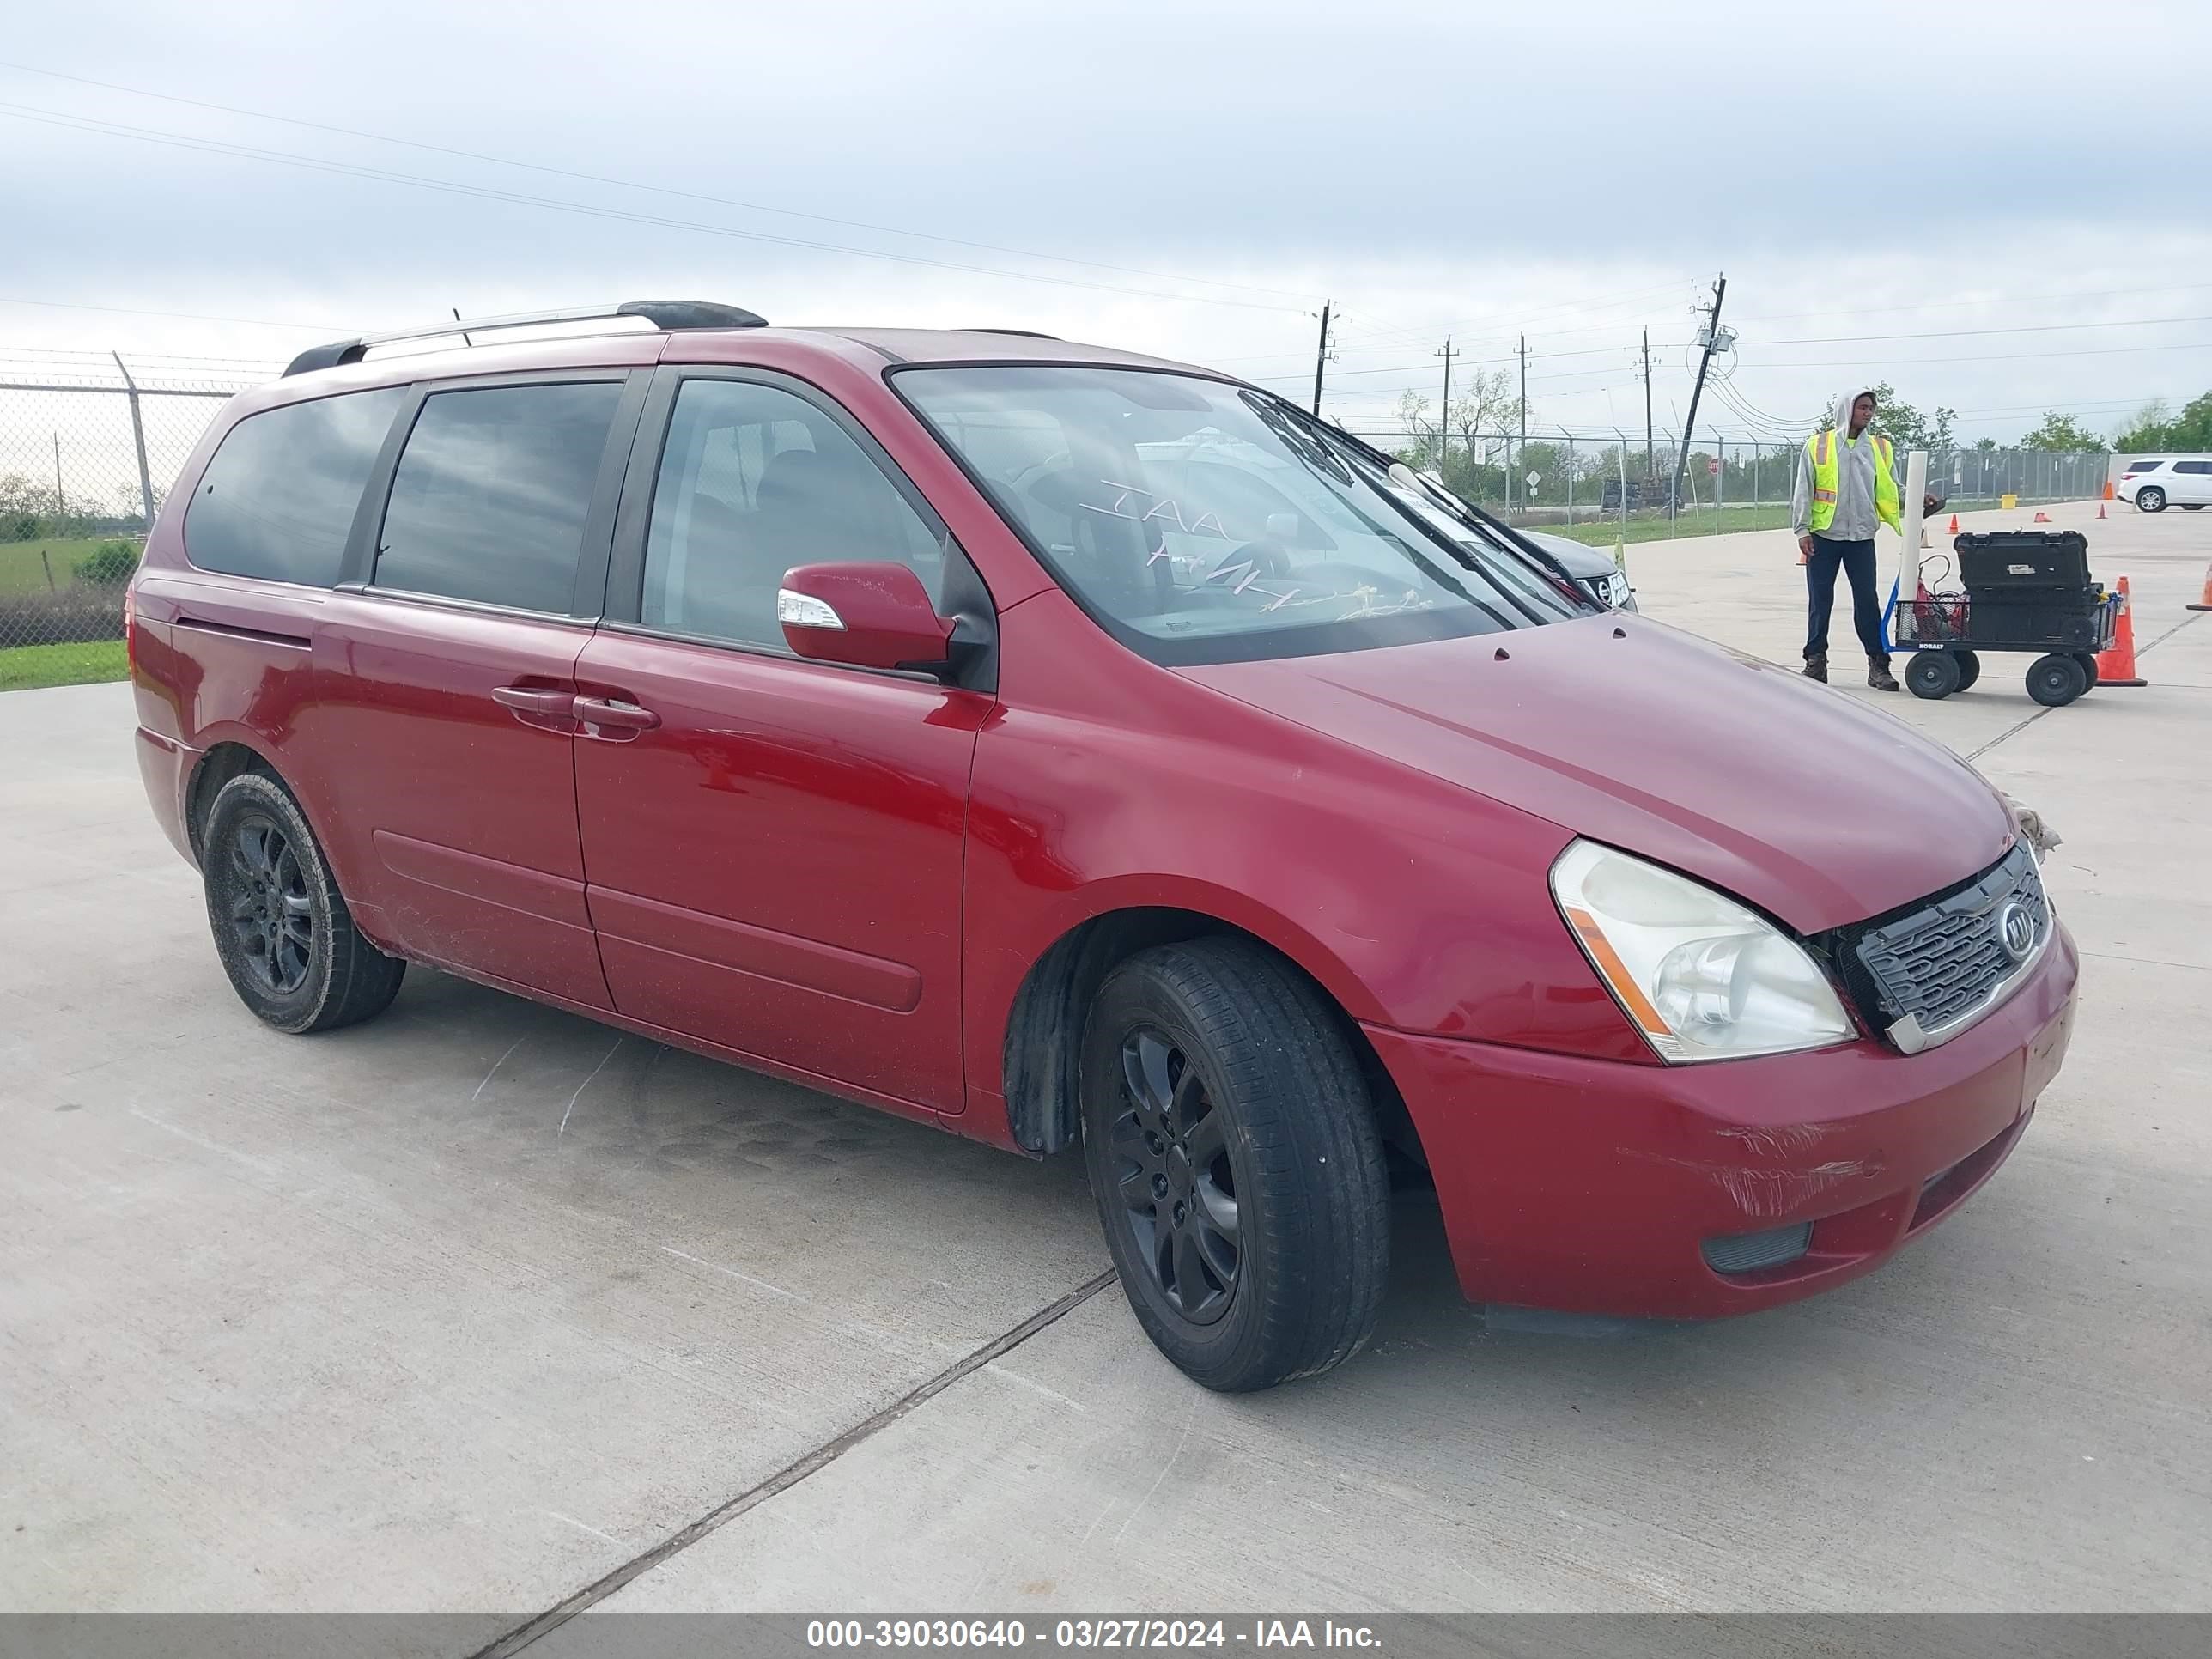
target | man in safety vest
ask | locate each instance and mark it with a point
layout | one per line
(1846, 484)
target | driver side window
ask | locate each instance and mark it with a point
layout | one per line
(753, 481)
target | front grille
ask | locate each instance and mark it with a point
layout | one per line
(1938, 961)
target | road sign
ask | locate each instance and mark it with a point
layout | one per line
(1535, 478)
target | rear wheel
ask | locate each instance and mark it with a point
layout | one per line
(2151, 500)
(2088, 661)
(1969, 668)
(1933, 674)
(2055, 681)
(1235, 1163)
(281, 929)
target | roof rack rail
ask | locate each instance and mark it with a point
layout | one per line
(670, 314)
(1025, 333)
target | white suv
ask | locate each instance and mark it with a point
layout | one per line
(2183, 481)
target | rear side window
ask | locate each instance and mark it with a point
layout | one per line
(2192, 467)
(491, 492)
(277, 501)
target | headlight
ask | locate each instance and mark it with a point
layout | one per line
(1700, 975)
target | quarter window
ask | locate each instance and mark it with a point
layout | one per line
(753, 481)
(278, 500)
(491, 492)
(2193, 467)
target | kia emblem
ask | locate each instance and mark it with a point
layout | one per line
(2017, 928)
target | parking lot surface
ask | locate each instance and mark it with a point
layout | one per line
(479, 1304)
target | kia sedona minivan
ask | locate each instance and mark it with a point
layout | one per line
(1074, 749)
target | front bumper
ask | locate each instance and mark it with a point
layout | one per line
(1596, 1185)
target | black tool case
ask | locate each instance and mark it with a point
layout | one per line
(2000, 563)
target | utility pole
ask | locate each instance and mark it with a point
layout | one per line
(1712, 340)
(1524, 408)
(1320, 355)
(1444, 416)
(1650, 467)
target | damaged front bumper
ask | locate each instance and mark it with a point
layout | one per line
(1693, 1192)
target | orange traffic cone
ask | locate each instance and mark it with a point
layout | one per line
(2108, 489)
(2101, 509)
(1954, 530)
(2207, 603)
(2117, 666)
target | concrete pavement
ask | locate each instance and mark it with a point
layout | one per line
(473, 1306)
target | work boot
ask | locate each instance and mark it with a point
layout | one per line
(1816, 666)
(1879, 677)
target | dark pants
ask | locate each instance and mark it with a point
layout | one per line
(1857, 560)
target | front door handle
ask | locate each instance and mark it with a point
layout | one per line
(533, 699)
(609, 713)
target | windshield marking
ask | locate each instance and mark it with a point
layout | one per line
(1196, 527)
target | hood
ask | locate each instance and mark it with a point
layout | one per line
(1801, 801)
(1842, 418)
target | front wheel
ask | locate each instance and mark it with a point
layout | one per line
(2151, 500)
(1235, 1162)
(281, 929)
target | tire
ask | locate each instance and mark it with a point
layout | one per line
(1969, 668)
(2150, 500)
(1222, 1103)
(2088, 661)
(1933, 674)
(2055, 681)
(2192, 507)
(281, 928)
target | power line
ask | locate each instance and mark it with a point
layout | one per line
(1994, 357)
(345, 169)
(633, 184)
(1952, 305)
(184, 316)
(1963, 333)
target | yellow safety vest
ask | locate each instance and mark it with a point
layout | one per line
(1820, 450)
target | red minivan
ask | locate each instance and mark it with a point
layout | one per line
(1067, 747)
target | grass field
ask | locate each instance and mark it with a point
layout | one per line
(22, 571)
(1656, 527)
(28, 666)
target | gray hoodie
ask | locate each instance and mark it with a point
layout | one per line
(1856, 518)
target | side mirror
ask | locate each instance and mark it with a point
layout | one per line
(866, 615)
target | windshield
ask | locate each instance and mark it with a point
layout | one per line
(1201, 522)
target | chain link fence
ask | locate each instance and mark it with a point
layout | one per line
(85, 460)
(1612, 482)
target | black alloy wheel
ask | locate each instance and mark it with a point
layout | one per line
(1235, 1159)
(1178, 1187)
(272, 919)
(281, 929)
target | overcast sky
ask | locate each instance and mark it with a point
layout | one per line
(1189, 178)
